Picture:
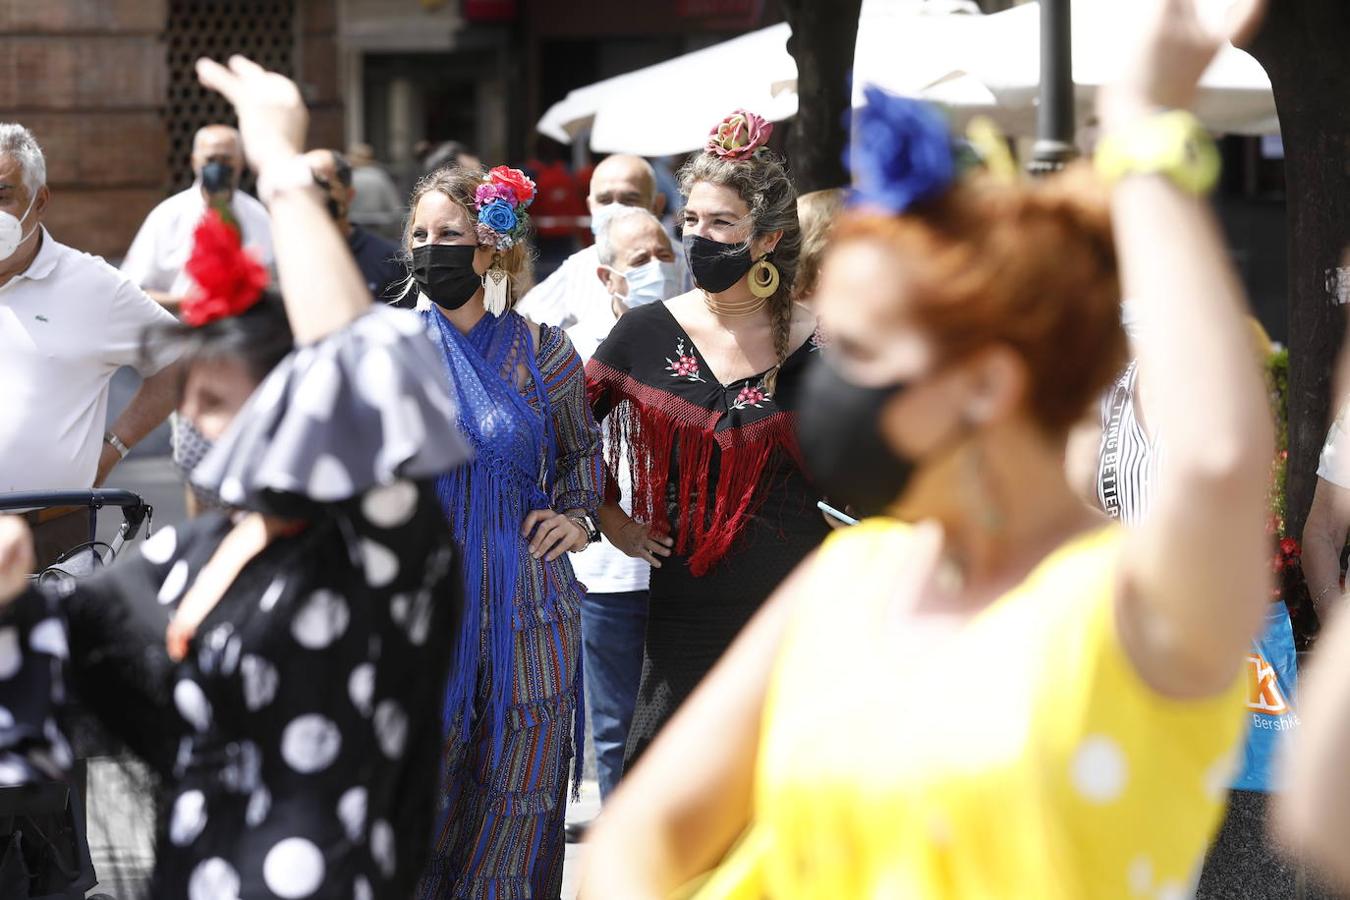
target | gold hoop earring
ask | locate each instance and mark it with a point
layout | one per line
(764, 278)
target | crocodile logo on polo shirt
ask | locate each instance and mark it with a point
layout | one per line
(40, 318)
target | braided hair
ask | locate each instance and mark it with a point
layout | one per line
(762, 181)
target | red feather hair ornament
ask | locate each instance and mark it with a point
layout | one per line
(229, 280)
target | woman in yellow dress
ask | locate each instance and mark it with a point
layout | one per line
(1009, 697)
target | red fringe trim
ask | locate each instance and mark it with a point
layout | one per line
(652, 424)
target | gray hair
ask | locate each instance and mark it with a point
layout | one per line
(18, 142)
(604, 245)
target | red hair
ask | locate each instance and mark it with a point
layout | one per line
(1029, 266)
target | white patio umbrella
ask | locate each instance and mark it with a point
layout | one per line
(634, 107)
(996, 72)
(668, 108)
(572, 116)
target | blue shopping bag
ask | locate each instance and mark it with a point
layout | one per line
(1272, 683)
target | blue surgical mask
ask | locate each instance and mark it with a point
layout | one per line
(652, 282)
(600, 217)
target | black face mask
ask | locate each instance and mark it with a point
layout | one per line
(445, 273)
(218, 177)
(715, 265)
(839, 431)
(334, 207)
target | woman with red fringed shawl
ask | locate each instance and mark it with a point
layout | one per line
(701, 389)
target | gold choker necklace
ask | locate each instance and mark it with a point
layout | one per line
(736, 309)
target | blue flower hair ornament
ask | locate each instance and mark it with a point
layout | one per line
(901, 155)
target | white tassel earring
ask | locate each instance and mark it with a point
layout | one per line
(496, 287)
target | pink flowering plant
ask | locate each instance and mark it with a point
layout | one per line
(739, 135)
(501, 201)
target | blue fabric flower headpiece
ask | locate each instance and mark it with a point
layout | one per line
(901, 153)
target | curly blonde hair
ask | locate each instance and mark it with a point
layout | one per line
(816, 211)
(459, 184)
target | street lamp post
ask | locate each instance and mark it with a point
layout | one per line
(1054, 146)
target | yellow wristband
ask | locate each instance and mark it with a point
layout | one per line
(1173, 144)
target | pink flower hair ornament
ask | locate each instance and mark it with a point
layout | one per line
(500, 202)
(739, 135)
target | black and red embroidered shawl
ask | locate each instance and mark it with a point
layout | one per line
(678, 422)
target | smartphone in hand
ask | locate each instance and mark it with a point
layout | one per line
(835, 514)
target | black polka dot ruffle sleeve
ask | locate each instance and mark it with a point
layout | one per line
(299, 738)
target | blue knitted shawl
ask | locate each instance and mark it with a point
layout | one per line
(486, 502)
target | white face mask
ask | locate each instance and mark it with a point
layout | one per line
(651, 282)
(601, 215)
(11, 230)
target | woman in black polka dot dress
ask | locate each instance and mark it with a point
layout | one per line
(279, 663)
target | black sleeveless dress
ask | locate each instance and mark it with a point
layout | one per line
(718, 467)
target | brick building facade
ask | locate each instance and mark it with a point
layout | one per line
(105, 86)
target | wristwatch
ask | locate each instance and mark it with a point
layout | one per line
(117, 444)
(1172, 143)
(589, 525)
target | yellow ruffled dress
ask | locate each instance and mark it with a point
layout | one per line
(1022, 758)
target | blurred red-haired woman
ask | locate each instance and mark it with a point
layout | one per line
(1006, 698)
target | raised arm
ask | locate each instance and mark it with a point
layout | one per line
(319, 280)
(1196, 577)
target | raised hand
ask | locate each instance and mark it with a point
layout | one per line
(272, 115)
(1170, 43)
(16, 557)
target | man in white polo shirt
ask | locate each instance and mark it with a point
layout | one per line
(162, 246)
(68, 321)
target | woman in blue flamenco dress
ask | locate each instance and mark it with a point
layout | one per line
(513, 711)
